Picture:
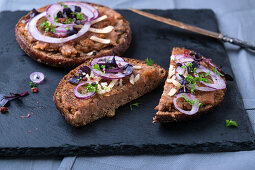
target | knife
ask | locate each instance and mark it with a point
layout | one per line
(195, 29)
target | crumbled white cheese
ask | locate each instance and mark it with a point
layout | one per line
(26, 27)
(102, 30)
(171, 71)
(23, 21)
(113, 82)
(88, 77)
(176, 83)
(137, 67)
(170, 80)
(104, 84)
(99, 19)
(92, 74)
(137, 77)
(90, 53)
(131, 80)
(172, 92)
(120, 83)
(172, 57)
(100, 40)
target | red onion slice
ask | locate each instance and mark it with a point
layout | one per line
(185, 60)
(112, 73)
(37, 77)
(180, 71)
(105, 58)
(202, 88)
(52, 11)
(195, 107)
(32, 28)
(83, 96)
(218, 82)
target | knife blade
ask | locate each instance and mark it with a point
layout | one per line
(195, 29)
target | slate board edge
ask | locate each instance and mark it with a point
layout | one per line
(128, 149)
(122, 149)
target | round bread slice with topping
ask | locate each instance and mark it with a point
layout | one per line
(94, 90)
(194, 86)
(69, 33)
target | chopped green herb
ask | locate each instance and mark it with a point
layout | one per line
(69, 21)
(192, 102)
(134, 104)
(149, 62)
(32, 84)
(188, 65)
(53, 28)
(67, 28)
(47, 26)
(175, 59)
(79, 92)
(96, 67)
(231, 123)
(207, 74)
(49, 15)
(91, 87)
(78, 15)
(217, 72)
(56, 19)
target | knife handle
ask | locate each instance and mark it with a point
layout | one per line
(236, 41)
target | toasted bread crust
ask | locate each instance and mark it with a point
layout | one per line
(176, 116)
(60, 61)
(122, 97)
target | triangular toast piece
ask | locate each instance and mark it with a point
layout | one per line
(118, 92)
(179, 87)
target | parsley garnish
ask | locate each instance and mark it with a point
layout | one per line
(69, 21)
(78, 15)
(134, 104)
(231, 123)
(149, 62)
(175, 59)
(47, 27)
(207, 74)
(53, 28)
(91, 88)
(188, 65)
(56, 19)
(193, 80)
(217, 72)
(67, 28)
(32, 84)
(96, 67)
(192, 102)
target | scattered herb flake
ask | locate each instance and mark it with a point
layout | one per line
(217, 72)
(231, 123)
(134, 104)
(149, 62)
(192, 102)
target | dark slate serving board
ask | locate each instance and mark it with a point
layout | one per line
(129, 132)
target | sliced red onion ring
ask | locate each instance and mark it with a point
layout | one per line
(177, 57)
(114, 73)
(195, 107)
(40, 37)
(37, 77)
(180, 71)
(93, 10)
(52, 11)
(201, 88)
(218, 82)
(105, 58)
(83, 96)
(185, 60)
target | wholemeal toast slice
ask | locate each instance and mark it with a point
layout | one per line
(109, 34)
(111, 94)
(194, 86)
